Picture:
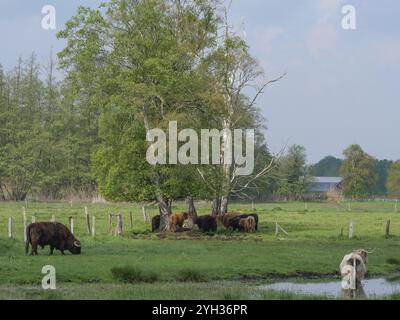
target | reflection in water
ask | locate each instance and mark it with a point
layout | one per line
(369, 289)
(359, 293)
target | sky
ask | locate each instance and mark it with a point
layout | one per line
(342, 86)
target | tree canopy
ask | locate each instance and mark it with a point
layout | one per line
(358, 173)
(393, 180)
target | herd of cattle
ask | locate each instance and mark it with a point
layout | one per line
(57, 236)
(231, 221)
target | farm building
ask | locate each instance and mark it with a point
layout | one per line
(320, 186)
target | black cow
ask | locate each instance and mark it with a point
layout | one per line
(155, 223)
(234, 224)
(206, 223)
(52, 234)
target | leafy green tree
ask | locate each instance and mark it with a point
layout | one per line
(393, 180)
(293, 173)
(44, 141)
(24, 142)
(381, 168)
(140, 58)
(358, 173)
(327, 167)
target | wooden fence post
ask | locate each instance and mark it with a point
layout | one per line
(131, 220)
(87, 221)
(53, 218)
(24, 222)
(33, 218)
(110, 223)
(351, 229)
(144, 214)
(387, 229)
(93, 226)
(118, 229)
(10, 227)
(25, 237)
(71, 224)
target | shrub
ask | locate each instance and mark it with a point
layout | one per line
(231, 296)
(394, 261)
(190, 275)
(133, 275)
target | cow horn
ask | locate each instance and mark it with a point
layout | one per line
(76, 244)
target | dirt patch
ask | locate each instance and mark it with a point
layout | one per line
(193, 235)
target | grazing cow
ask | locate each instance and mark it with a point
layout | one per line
(254, 215)
(234, 224)
(176, 221)
(155, 223)
(247, 224)
(52, 234)
(206, 223)
(227, 217)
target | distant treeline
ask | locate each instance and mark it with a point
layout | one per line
(130, 67)
(49, 133)
(330, 167)
(46, 136)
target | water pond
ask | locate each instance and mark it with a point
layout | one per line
(371, 288)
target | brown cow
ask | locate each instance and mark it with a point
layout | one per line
(248, 224)
(227, 217)
(176, 221)
(52, 234)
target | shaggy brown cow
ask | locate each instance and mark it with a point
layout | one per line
(206, 223)
(247, 224)
(254, 215)
(52, 234)
(176, 221)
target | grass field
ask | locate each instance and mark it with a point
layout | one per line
(193, 265)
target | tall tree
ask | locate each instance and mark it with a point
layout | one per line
(235, 72)
(393, 180)
(141, 58)
(327, 167)
(293, 172)
(381, 168)
(358, 173)
(24, 141)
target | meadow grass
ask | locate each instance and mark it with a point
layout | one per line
(185, 263)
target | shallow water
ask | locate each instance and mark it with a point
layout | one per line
(370, 288)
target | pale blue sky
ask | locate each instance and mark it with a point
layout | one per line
(342, 87)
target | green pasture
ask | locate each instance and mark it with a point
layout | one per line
(230, 264)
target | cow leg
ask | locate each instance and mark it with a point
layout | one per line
(62, 246)
(34, 245)
(51, 250)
